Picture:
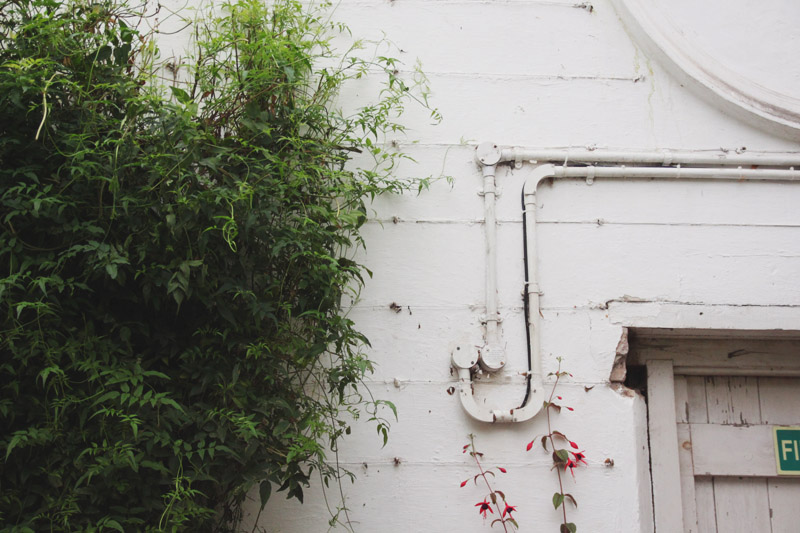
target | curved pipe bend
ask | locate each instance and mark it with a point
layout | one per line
(534, 396)
(663, 165)
(482, 414)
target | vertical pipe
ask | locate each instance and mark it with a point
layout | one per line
(490, 231)
(535, 392)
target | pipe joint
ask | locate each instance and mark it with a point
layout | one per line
(488, 154)
(492, 358)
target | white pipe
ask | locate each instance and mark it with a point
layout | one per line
(493, 355)
(490, 155)
(621, 172)
(490, 232)
(664, 158)
(482, 414)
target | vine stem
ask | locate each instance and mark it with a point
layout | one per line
(553, 443)
(485, 480)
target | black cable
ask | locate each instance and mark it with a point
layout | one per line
(526, 307)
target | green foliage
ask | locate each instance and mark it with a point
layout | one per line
(174, 259)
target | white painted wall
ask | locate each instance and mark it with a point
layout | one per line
(543, 73)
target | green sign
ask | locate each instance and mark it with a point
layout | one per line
(787, 450)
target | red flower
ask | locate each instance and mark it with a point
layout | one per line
(579, 458)
(573, 444)
(485, 506)
(569, 408)
(530, 445)
(503, 470)
(570, 464)
(509, 509)
(464, 482)
(465, 448)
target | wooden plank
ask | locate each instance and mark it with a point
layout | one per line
(710, 356)
(687, 476)
(742, 505)
(681, 400)
(705, 506)
(664, 458)
(780, 401)
(744, 400)
(660, 334)
(718, 396)
(784, 495)
(719, 450)
(696, 392)
(750, 371)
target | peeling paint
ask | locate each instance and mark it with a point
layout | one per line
(619, 370)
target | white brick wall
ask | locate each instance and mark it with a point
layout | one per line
(722, 255)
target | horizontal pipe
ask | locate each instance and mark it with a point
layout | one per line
(621, 172)
(664, 158)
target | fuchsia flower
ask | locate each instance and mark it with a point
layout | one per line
(464, 482)
(579, 457)
(574, 444)
(503, 470)
(485, 506)
(509, 509)
(570, 464)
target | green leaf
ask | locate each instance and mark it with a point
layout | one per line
(103, 53)
(264, 491)
(18, 438)
(113, 524)
(181, 95)
(391, 406)
(558, 499)
(106, 396)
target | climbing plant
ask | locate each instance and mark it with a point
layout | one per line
(175, 257)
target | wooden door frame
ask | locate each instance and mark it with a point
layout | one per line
(671, 488)
(672, 476)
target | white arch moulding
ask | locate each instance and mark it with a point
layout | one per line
(772, 110)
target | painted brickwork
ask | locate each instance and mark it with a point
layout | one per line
(644, 253)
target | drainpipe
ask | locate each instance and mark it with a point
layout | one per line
(673, 165)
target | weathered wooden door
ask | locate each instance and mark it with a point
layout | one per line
(729, 479)
(711, 421)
